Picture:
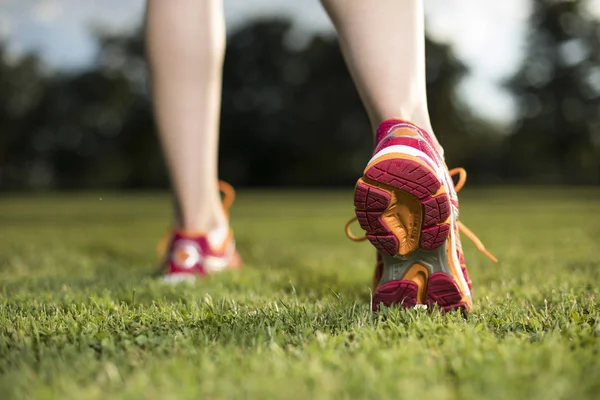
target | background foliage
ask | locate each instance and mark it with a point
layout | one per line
(292, 116)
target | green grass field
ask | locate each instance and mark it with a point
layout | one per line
(82, 316)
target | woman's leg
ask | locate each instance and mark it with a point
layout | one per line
(405, 200)
(186, 46)
(383, 42)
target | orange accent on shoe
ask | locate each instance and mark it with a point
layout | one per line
(163, 244)
(190, 234)
(228, 195)
(455, 270)
(181, 256)
(405, 132)
(404, 215)
(462, 178)
(351, 235)
(468, 233)
(419, 275)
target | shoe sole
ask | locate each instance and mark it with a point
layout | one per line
(441, 292)
(403, 206)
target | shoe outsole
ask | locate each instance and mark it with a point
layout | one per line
(406, 176)
(385, 182)
(442, 294)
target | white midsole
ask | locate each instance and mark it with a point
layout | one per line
(402, 149)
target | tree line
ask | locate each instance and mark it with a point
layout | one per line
(292, 117)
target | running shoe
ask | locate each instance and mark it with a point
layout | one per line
(406, 202)
(188, 255)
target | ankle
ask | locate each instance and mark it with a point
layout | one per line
(419, 119)
(205, 221)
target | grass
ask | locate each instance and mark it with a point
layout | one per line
(81, 315)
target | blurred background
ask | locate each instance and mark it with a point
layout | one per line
(514, 93)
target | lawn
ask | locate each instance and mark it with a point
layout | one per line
(82, 315)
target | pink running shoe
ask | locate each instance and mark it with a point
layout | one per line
(406, 202)
(191, 254)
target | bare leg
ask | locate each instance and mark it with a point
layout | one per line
(383, 42)
(186, 46)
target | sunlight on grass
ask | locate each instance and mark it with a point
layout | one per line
(82, 316)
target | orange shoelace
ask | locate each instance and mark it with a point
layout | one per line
(462, 178)
(227, 201)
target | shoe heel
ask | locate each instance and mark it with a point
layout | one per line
(438, 291)
(443, 293)
(407, 292)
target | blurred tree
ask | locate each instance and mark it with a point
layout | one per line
(468, 140)
(82, 129)
(23, 86)
(303, 119)
(557, 139)
(289, 117)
